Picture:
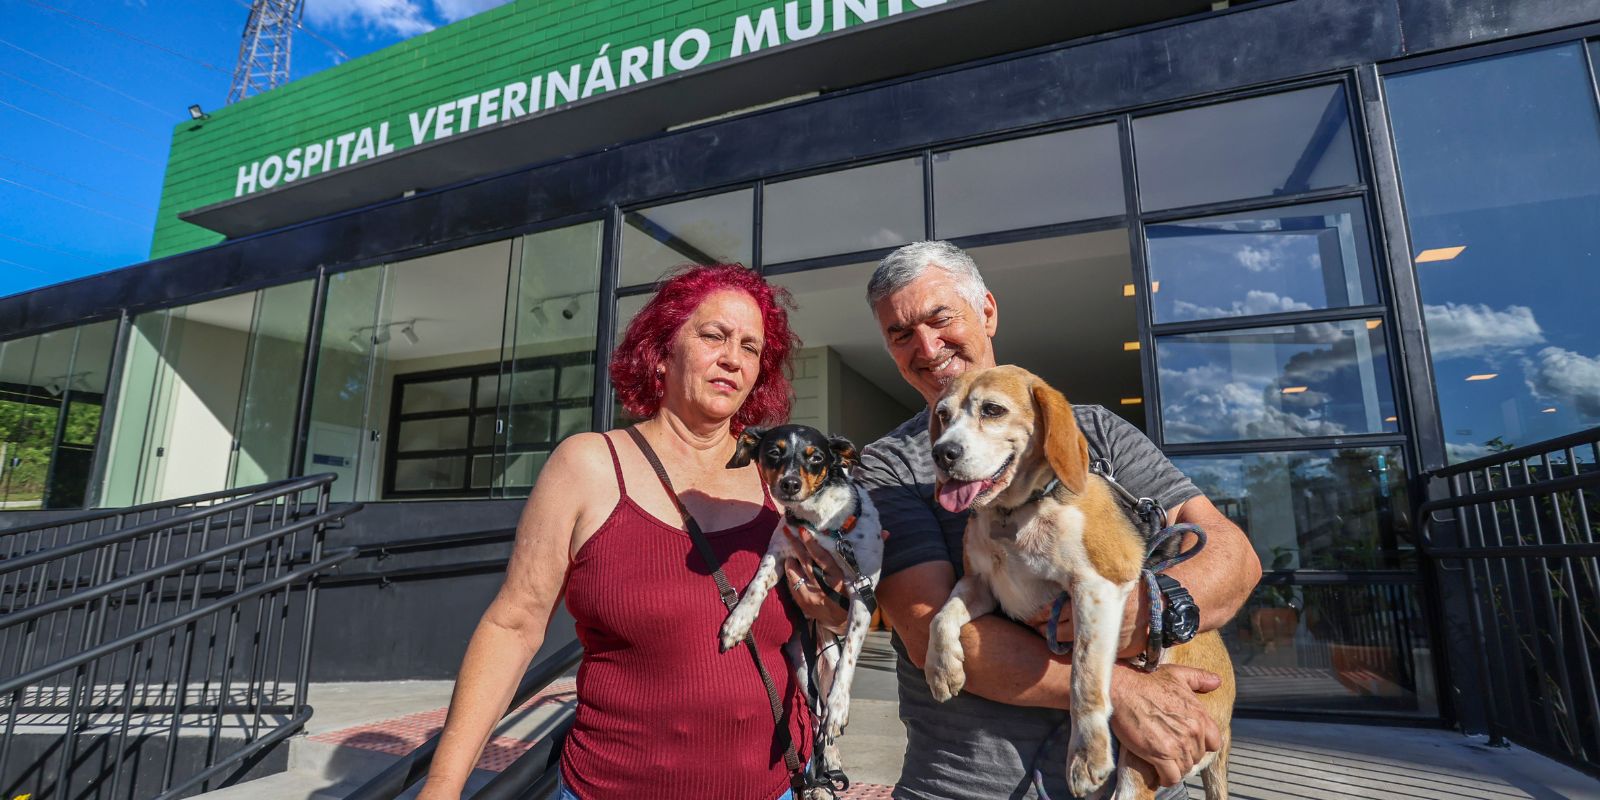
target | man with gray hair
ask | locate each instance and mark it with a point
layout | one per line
(938, 320)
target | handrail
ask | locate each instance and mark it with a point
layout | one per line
(198, 559)
(130, 624)
(441, 542)
(107, 513)
(284, 489)
(414, 766)
(1524, 559)
(1586, 436)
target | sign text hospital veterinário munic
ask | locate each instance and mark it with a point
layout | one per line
(606, 71)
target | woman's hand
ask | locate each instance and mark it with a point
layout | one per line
(812, 600)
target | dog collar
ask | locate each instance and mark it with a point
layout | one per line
(848, 525)
(1048, 489)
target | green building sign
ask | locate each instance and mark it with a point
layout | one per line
(524, 58)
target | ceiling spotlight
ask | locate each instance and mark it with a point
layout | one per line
(1293, 389)
(570, 310)
(54, 388)
(539, 315)
(1483, 376)
(410, 332)
(196, 114)
(356, 339)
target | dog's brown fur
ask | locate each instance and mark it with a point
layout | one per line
(1008, 543)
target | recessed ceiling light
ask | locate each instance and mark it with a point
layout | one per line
(1391, 419)
(1133, 401)
(1373, 323)
(1293, 389)
(1439, 254)
(1483, 376)
(1127, 290)
(1550, 410)
(1155, 286)
(1130, 345)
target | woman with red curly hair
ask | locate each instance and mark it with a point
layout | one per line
(661, 712)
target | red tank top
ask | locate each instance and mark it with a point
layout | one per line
(661, 713)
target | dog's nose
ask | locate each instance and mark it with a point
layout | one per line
(789, 486)
(946, 453)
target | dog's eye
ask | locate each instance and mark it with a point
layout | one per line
(776, 452)
(992, 410)
(944, 414)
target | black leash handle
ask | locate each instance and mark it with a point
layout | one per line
(730, 598)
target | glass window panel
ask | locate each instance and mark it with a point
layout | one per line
(272, 375)
(1022, 183)
(1259, 147)
(531, 424)
(534, 386)
(1316, 379)
(1261, 262)
(339, 437)
(1500, 163)
(552, 323)
(488, 391)
(866, 208)
(628, 308)
(47, 459)
(447, 433)
(705, 230)
(424, 474)
(1318, 509)
(577, 381)
(450, 395)
(1343, 648)
(523, 468)
(572, 420)
(483, 472)
(844, 382)
(483, 430)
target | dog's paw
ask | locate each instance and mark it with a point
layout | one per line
(945, 672)
(835, 720)
(1089, 763)
(733, 631)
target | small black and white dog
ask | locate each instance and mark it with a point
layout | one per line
(808, 474)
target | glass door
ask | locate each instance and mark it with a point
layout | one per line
(341, 438)
(275, 358)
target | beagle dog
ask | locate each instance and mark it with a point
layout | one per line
(1006, 446)
(808, 474)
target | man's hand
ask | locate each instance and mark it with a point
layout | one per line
(812, 600)
(1135, 637)
(1158, 718)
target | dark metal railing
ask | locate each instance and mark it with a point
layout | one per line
(153, 651)
(1524, 544)
(530, 777)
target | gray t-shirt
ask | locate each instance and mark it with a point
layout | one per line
(971, 748)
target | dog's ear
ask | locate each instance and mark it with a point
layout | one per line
(844, 453)
(935, 427)
(1064, 445)
(745, 451)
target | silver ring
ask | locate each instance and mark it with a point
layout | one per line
(799, 584)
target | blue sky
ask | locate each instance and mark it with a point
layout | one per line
(90, 90)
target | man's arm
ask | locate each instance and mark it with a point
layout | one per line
(1158, 716)
(1222, 576)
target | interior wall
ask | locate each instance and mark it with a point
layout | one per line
(203, 407)
(866, 412)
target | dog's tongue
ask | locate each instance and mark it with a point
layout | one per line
(957, 496)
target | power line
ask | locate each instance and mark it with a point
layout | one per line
(65, 127)
(91, 109)
(163, 112)
(61, 199)
(24, 266)
(42, 171)
(47, 247)
(128, 36)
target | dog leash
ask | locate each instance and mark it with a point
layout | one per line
(858, 582)
(791, 757)
(1154, 516)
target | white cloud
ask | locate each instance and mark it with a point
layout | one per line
(1208, 403)
(1254, 302)
(1456, 330)
(400, 17)
(1466, 451)
(1564, 377)
(1258, 259)
(452, 10)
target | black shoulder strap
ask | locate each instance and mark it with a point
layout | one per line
(791, 756)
